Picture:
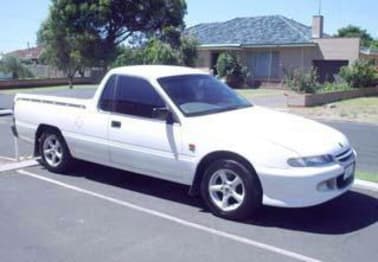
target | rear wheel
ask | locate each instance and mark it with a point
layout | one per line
(55, 154)
(231, 190)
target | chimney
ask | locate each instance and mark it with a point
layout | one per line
(317, 26)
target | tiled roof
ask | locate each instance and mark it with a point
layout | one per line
(28, 54)
(262, 30)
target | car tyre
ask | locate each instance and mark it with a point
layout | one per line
(55, 155)
(231, 190)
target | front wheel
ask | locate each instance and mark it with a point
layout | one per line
(231, 190)
(55, 154)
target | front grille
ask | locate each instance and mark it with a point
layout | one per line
(346, 156)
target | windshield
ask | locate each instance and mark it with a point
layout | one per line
(201, 94)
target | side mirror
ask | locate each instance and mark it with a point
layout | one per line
(163, 113)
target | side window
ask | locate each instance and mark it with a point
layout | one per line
(107, 97)
(135, 96)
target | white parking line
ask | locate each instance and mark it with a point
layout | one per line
(18, 165)
(177, 220)
(7, 158)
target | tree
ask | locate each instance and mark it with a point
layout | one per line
(11, 64)
(158, 52)
(188, 49)
(129, 56)
(374, 44)
(61, 47)
(105, 24)
(355, 31)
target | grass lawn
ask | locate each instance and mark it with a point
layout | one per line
(367, 176)
(364, 109)
(46, 88)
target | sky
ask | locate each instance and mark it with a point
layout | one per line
(20, 19)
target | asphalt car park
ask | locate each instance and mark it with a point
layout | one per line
(95, 213)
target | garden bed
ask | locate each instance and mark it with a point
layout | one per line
(308, 100)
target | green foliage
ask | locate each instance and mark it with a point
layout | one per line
(374, 44)
(99, 26)
(159, 53)
(61, 47)
(155, 51)
(129, 56)
(229, 67)
(332, 87)
(171, 35)
(11, 64)
(188, 51)
(302, 81)
(355, 31)
(360, 74)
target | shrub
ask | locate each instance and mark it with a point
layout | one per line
(229, 67)
(360, 74)
(11, 64)
(331, 87)
(158, 52)
(188, 51)
(302, 81)
(129, 56)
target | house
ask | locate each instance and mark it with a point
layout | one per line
(272, 45)
(370, 54)
(31, 54)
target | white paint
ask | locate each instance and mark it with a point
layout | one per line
(266, 138)
(239, 239)
(358, 183)
(7, 158)
(18, 165)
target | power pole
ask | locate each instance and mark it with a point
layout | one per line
(320, 7)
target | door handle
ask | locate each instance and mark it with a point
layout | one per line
(116, 124)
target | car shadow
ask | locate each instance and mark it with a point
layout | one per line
(350, 212)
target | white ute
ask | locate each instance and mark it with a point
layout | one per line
(183, 125)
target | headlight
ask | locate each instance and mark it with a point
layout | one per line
(312, 161)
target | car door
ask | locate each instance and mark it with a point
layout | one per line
(139, 139)
(90, 139)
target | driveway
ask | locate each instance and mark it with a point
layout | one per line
(277, 101)
(364, 139)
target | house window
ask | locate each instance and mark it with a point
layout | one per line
(264, 65)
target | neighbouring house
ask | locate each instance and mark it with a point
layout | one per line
(29, 55)
(272, 45)
(370, 54)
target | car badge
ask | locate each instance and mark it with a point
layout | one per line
(341, 145)
(192, 147)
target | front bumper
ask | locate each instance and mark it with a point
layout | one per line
(304, 187)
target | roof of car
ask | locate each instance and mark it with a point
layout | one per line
(156, 71)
